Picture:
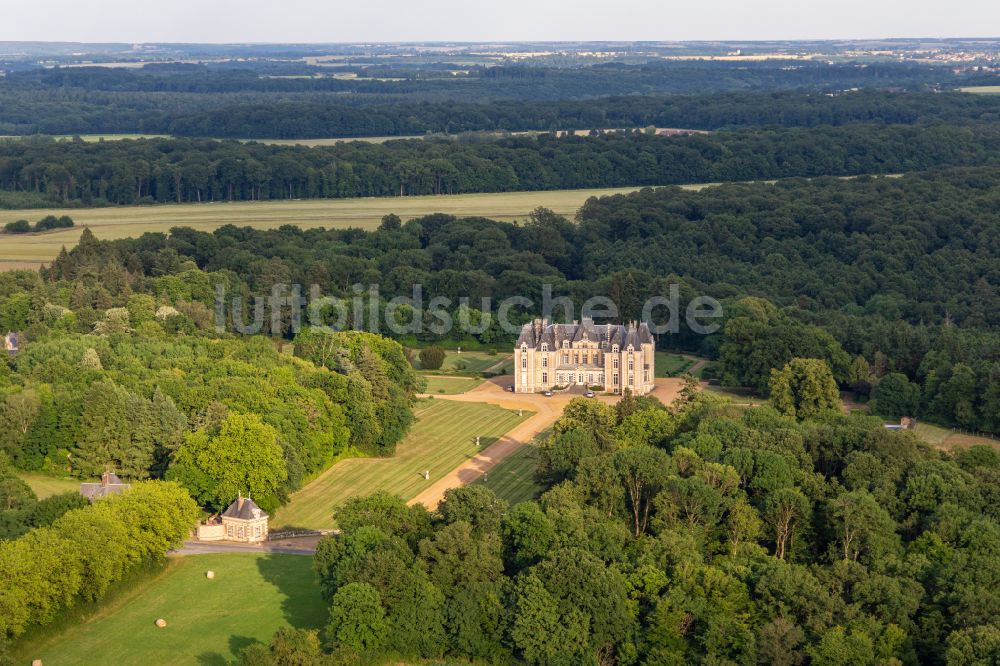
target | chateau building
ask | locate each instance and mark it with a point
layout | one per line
(608, 357)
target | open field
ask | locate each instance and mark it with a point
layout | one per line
(988, 90)
(208, 621)
(443, 437)
(948, 438)
(47, 486)
(32, 250)
(450, 384)
(364, 213)
(513, 478)
(94, 138)
(332, 141)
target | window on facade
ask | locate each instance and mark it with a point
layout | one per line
(545, 361)
(524, 362)
(616, 363)
(545, 378)
(631, 379)
(615, 382)
(566, 359)
(646, 376)
(631, 364)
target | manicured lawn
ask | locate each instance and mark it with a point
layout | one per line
(208, 621)
(513, 479)
(469, 362)
(450, 385)
(670, 364)
(443, 437)
(46, 486)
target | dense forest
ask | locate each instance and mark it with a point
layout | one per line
(892, 281)
(42, 171)
(698, 533)
(256, 103)
(135, 377)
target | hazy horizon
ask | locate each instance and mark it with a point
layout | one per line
(308, 21)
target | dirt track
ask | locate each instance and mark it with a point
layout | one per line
(546, 411)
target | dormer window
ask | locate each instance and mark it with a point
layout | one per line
(545, 346)
(565, 344)
(614, 349)
(630, 348)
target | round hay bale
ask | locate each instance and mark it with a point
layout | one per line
(161, 623)
(210, 575)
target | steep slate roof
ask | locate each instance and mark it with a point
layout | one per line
(537, 332)
(244, 508)
(110, 484)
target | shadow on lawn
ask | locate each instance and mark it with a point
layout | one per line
(302, 603)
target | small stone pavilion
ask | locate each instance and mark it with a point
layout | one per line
(243, 521)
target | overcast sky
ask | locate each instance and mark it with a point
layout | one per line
(474, 20)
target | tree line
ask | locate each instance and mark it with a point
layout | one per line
(47, 223)
(290, 119)
(693, 533)
(87, 550)
(39, 172)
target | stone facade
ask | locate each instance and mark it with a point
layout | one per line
(243, 521)
(608, 357)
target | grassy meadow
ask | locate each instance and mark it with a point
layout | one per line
(47, 486)
(208, 621)
(442, 438)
